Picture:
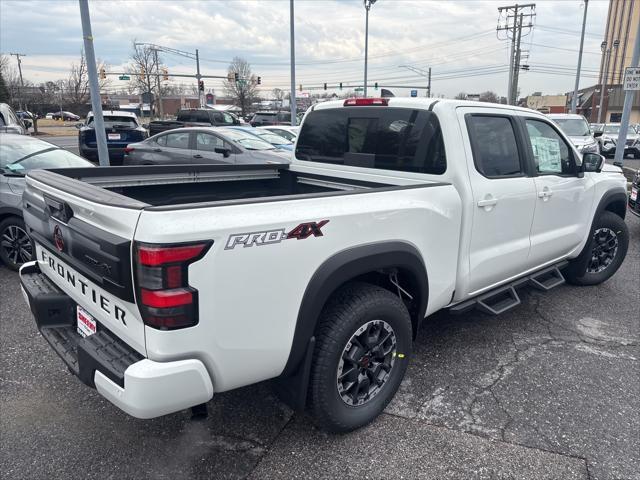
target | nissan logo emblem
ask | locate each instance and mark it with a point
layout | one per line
(57, 238)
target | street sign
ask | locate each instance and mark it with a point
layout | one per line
(124, 77)
(414, 93)
(632, 78)
(358, 89)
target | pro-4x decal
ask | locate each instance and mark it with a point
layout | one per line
(269, 237)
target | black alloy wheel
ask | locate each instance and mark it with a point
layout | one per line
(605, 247)
(15, 245)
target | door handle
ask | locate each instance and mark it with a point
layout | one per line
(488, 202)
(197, 156)
(545, 194)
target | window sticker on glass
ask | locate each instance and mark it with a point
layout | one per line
(547, 154)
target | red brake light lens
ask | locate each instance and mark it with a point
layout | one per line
(128, 149)
(361, 102)
(165, 298)
(153, 255)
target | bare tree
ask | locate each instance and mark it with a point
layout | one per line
(76, 87)
(243, 91)
(489, 96)
(461, 96)
(142, 69)
(278, 95)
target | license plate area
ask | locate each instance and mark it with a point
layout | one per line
(634, 194)
(113, 136)
(85, 323)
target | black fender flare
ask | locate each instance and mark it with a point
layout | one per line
(339, 269)
(614, 196)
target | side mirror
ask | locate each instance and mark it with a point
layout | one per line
(145, 125)
(597, 134)
(224, 151)
(78, 126)
(618, 164)
(27, 123)
(592, 162)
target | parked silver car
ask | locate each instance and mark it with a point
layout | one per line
(577, 129)
(203, 145)
(608, 139)
(18, 155)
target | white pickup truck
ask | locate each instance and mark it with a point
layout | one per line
(162, 285)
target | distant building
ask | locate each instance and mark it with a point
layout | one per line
(547, 103)
(623, 25)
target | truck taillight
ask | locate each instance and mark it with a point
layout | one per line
(165, 298)
(128, 149)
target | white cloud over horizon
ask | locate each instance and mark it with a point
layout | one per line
(455, 38)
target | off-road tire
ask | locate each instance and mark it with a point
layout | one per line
(577, 272)
(353, 306)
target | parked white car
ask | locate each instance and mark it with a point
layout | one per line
(578, 130)
(162, 285)
(290, 133)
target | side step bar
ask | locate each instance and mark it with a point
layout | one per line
(506, 297)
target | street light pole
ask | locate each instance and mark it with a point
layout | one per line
(574, 99)
(367, 7)
(198, 77)
(603, 85)
(292, 98)
(96, 104)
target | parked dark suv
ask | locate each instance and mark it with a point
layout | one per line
(194, 117)
(270, 118)
(122, 128)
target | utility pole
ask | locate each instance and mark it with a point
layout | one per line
(603, 84)
(155, 58)
(367, 7)
(423, 73)
(516, 65)
(20, 93)
(574, 99)
(626, 109)
(198, 77)
(292, 41)
(96, 104)
(429, 84)
(517, 14)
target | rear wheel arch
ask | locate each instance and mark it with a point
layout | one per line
(371, 263)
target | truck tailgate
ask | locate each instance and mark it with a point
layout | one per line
(85, 249)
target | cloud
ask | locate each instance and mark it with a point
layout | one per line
(448, 36)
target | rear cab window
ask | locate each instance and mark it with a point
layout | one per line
(494, 146)
(387, 138)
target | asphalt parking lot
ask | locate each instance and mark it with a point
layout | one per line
(550, 390)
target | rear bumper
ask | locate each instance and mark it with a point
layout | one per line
(116, 154)
(139, 386)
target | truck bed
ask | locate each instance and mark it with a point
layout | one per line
(184, 186)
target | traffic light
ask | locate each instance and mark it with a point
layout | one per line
(375, 85)
(325, 86)
(165, 74)
(201, 85)
(103, 74)
(236, 76)
(300, 87)
(259, 80)
(340, 85)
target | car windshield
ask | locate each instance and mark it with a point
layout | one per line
(615, 129)
(247, 140)
(13, 151)
(273, 139)
(52, 158)
(117, 121)
(574, 127)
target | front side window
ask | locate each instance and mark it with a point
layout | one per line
(207, 142)
(177, 140)
(400, 139)
(495, 149)
(551, 154)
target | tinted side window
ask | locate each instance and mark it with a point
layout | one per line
(177, 140)
(551, 154)
(386, 138)
(162, 140)
(2, 122)
(208, 142)
(227, 118)
(495, 150)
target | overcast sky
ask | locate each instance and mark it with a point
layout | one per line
(456, 38)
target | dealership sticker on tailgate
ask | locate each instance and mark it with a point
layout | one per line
(634, 194)
(86, 323)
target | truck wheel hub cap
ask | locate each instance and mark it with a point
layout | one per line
(366, 362)
(605, 247)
